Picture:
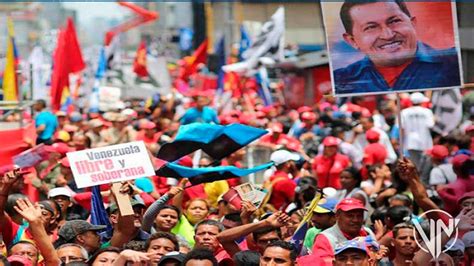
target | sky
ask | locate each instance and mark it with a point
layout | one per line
(88, 10)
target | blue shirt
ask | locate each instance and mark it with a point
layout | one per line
(430, 68)
(50, 121)
(207, 115)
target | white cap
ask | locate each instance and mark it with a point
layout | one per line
(468, 239)
(59, 191)
(418, 98)
(282, 156)
(329, 192)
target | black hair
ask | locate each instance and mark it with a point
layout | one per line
(399, 226)
(246, 258)
(41, 102)
(355, 173)
(308, 193)
(76, 263)
(402, 197)
(234, 217)
(345, 14)
(285, 245)
(171, 207)
(200, 254)
(398, 214)
(258, 233)
(378, 214)
(463, 142)
(102, 250)
(9, 247)
(166, 235)
(11, 202)
(210, 222)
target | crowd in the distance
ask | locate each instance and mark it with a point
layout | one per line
(373, 196)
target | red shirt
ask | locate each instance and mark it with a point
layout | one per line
(141, 136)
(283, 190)
(328, 169)
(282, 139)
(375, 153)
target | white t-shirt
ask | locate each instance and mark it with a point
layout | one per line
(442, 173)
(416, 123)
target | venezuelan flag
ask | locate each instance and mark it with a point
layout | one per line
(10, 85)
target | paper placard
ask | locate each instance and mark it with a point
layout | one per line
(31, 157)
(110, 164)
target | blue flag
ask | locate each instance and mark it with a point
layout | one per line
(222, 61)
(245, 41)
(207, 174)
(215, 140)
(99, 215)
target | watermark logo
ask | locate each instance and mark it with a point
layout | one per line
(437, 227)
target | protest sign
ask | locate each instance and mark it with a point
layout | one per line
(394, 46)
(249, 193)
(110, 164)
(31, 157)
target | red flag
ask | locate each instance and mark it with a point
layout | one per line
(199, 56)
(139, 65)
(67, 59)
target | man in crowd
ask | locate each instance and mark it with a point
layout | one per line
(282, 186)
(46, 123)
(278, 253)
(404, 244)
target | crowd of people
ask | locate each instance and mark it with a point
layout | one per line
(374, 192)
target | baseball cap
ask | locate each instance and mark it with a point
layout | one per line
(304, 109)
(63, 135)
(282, 156)
(357, 243)
(277, 128)
(418, 98)
(468, 239)
(438, 152)
(96, 123)
(58, 147)
(113, 207)
(457, 244)
(60, 113)
(350, 204)
(18, 260)
(173, 256)
(466, 195)
(308, 116)
(75, 117)
(326, 206)
(148, 125)
(73, 228)
(330, 141)
(59, 191)
(372, 135)
(459, 160)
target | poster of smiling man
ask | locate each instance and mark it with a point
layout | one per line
(379, 47)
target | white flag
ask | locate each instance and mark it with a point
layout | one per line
(39, 75)
(269, 43)
(447, 108)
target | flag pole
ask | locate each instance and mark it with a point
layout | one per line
(400, 129)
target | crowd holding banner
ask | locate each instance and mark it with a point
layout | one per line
(165, 180)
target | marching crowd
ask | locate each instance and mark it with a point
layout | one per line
(374, 198)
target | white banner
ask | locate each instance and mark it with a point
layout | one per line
(110, 164)
(269, 43)
(447, 108)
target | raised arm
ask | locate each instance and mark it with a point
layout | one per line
(228, 237)
(152, 211)
(32, 214)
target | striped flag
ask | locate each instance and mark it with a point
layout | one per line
(298, 237)
(99, 215)
(10, 82)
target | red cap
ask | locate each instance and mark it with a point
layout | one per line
(293, 145)
(350, 204)
(469, 128)
(466, 195)
(277, 128)
(268, 109)
(148, 125)
(439, 152)
(308, 116)
(331, 141)
(372, 135)
(58, 147)
(374, 153)
(459, 160)
(304, 109)
(65, 162)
